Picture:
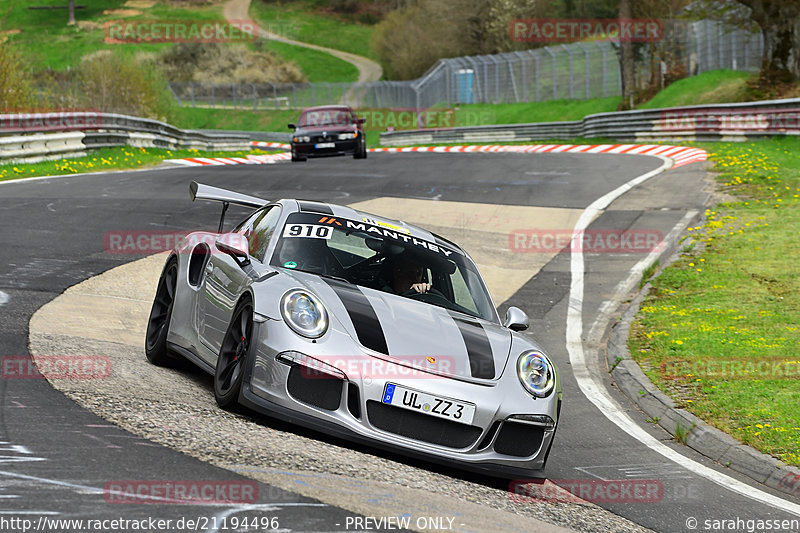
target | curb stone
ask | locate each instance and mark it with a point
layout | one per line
(701, 437)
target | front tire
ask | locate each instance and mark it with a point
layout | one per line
(362, 152)
(155, 345)
(232, 360)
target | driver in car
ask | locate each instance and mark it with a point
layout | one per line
(407, 275)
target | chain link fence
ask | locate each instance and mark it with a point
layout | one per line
(569, 71)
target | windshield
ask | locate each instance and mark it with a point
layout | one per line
(325, 117)
(383, 257)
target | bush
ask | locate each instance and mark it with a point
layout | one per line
(214, 63)
(15, 83)
(117, 84)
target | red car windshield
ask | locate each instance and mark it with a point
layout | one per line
(326, 117)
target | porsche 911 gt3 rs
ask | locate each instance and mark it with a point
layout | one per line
(360, 326)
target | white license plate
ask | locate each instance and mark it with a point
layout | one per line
(325, 145)
(430, 404)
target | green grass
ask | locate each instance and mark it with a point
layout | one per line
(712, 87)
(46, 41)
(719, 331)
(235, 119)
(105, 159)
(306, 21)
(317, 66)
(548, 111)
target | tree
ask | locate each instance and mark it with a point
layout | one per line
(627, 60)
(778, 20)
(71, 12)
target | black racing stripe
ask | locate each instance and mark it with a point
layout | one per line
(365, 320)
(315, 207)
(479, 350)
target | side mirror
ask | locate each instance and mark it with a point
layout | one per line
(292, 126)
(516, 319)
(234, 247)
(360, 120)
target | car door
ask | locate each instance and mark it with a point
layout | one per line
(225, 280)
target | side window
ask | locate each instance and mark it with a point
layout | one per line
(263, 227)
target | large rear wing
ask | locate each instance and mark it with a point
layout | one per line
(198, 191)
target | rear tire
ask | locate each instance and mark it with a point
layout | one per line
(232, 360)
(155, 345)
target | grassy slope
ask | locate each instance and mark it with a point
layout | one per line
(306, 21)
(715, 86)
(719, 331)
(46, 40)
(549, 111)
(317, 66)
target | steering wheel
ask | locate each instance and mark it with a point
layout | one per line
(429, 297)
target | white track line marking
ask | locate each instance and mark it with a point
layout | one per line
(593, 388)
(87, 489)
(4, 298)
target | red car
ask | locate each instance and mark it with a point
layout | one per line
(326, 131)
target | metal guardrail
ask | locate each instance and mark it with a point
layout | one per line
(270, 136)
(713, 122)
(29, 138)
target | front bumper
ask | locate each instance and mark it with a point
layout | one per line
(349, 406)
(312, 149)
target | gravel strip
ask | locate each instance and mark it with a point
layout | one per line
(176, 408)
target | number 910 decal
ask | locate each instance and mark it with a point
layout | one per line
(313, 231)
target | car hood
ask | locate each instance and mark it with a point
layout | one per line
(414, 333)
(332, 128)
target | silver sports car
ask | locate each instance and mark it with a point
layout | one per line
(359, 326)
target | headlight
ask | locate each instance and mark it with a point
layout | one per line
(304, 313)
(302, 139)
(536, 373)
(345, 136)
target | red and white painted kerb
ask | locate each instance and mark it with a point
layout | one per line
(680, 155)
(249, 160)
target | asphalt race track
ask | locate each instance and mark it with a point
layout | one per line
(57, 458)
